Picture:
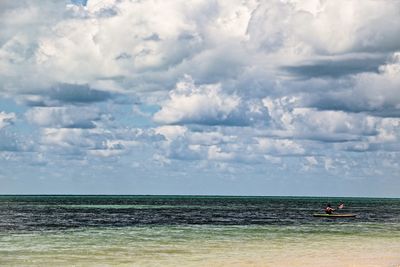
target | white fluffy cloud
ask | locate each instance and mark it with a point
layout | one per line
(378, 92)
(150, 45)
(217, 81)
(203, 105)
(310, 123)
(64, 117)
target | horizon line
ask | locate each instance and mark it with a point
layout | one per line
(201, 195)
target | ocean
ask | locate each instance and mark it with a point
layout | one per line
(196, 231)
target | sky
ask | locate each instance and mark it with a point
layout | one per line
(257, 97)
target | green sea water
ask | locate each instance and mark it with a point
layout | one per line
(195, 231)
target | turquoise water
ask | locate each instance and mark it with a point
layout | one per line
(195, 231)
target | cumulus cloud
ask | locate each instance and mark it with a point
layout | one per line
(149, 45)
(203, 105)
(96, 142)
(67, 138)
(280, 146)
(64, 117)
(325, 27)
(375, 93)
(171, 132)
(208, 105)
(221, 81)
(223, 144)
(310, 123)
(379, 93)
(6, 119)
(111, 148)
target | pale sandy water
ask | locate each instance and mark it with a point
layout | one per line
(66, 233)
(201, 246)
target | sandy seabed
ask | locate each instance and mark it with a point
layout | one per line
(349, 252)
(325, 251)
(354, 254)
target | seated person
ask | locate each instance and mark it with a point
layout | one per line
(329, 209)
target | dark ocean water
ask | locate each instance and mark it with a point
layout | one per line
(33, 213)
(196, 231)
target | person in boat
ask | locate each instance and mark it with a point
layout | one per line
(329, 209)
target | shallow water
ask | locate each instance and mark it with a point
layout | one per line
(195, 231)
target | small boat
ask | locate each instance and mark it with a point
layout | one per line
(338, 215)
